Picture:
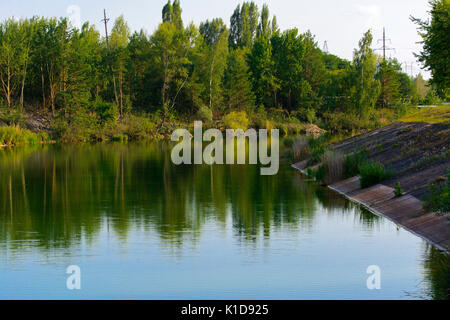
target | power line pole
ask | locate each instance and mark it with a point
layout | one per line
(325, 47)
(106, 20)
(384, 48)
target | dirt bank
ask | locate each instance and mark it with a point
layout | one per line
(417, 153)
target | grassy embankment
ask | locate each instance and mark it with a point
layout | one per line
(408, 155)
(440, 114)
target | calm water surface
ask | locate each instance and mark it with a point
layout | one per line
(142, 228)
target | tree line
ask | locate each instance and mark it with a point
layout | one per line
(253, 66)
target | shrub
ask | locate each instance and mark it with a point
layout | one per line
(352, 164)
(261, 123)
(137, 128)
(300, 147)
(283, 128)
(106, 111)
(319, 173)
(288, 142)
(236, 120)
(398, 191)
(11, 116)
(14, 135)
(79, 126)
(120, 138)
(311, 115)
(438, 199)
(334, 164)
(316, 151)
(372, 173)
(205, 114)
(295, 128)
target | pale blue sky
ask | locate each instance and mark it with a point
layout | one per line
(339, 22)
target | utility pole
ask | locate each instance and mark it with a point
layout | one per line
(384, 48)
(325, 47)
(106, 20)
(409, 67)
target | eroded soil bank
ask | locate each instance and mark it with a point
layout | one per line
(417, 153)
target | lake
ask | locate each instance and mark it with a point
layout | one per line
(140, 227)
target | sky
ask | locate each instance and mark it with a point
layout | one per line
(341, 23)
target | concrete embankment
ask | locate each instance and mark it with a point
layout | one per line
(417, 154)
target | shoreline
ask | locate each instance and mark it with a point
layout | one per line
(427, 225)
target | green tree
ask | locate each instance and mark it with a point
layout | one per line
(243, 25)
(170, 47)
(436, 37)
(15, 39)
(215, 35)
(366, 87)
(238, 88)
(118, 45)
(265, 83)
(83, 59)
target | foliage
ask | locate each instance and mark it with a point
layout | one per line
(300, 147)
(106, 111)
(204, 114)
(236, 120)
(439, 114)
(333, 163)
(398, 191)
(89, 83)
(13, 135)
(439, 196)
(367, 88)
(372, 173)
(435, 33)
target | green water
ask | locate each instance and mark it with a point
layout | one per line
(140, 227)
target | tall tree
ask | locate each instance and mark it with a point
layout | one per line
(170, 47)
(264, 26)
(15, 38)
(243, 25)
(262, 68)
(238, 88)
(367, 88)
(118, 44)
(436, 38)
(215, 35)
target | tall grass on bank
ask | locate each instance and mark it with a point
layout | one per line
(333, 163)
(300, 147)
(372, 173)
(438, 199)
(13, 135)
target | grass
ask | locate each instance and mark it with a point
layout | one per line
(13, 135)
(300, 147)
(398, 191)
(373, 173)
(353, 163)
(440, 114)
(439, 196)
(333, 163)
(236, 120)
